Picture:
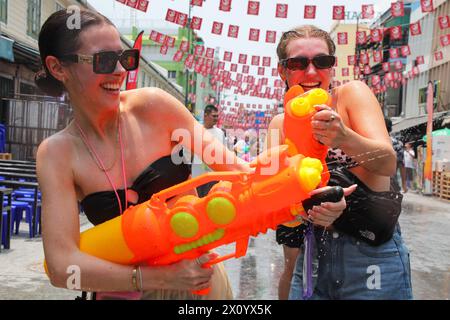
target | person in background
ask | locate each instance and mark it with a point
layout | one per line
(409, 157)
(242, 146)
(399, 149)
(210, 117)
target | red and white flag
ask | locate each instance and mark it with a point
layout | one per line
(198, 50)
(225, 5)
(415, 70)
(255, 60)
(438, 55)
(233, 67)
(398, 65)
(227, 55)
(274, 72)
(338, 12)
(342, 38)
(161, 38)
(184, 46)
(393, 53)
(397, 9)
(198, 3)
(376, 80)
(253, 34)
(260, 71)
(426, 5)
(217, 28)
(196, 23)
(367, 11)
(444, 22)
(163, 50)
(396, 32)
(444, 40)
(281, 10)
(376, 35)
(253, 8)
(351, 60)
(310, 12)
(132, 76)
(377, 56)
(170, 41)
(367, 69)
(242, 58)
(420, 60)
(181, 19)
(361, 37)
(153, 35)
(344, 72)
(178, 56)
(364, 58)
(209, 53)
(132, 3)
(266, 61)
(142, 5)
(171, 15)
(405, 50)
(233, 31)
(271, 36)
(245, 68)
(415, 28)
(386, 66)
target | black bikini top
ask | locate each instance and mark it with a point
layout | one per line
(163, 173)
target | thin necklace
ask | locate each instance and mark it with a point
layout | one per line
(95, 157)
(102, 166)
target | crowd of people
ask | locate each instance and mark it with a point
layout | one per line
(117, 152)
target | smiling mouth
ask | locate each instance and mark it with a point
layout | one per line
(310, 85)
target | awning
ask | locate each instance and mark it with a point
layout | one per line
(26, 55)
(6, 49)
(414, 121)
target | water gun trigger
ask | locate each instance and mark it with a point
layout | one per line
(240, 251)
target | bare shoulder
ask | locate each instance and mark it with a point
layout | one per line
(353, 88)
(148, 100)
(55, 153)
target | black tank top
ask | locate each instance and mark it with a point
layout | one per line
(163, 173)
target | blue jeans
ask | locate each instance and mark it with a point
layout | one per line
(352, 269)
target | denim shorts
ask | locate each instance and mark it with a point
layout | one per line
(346, 268)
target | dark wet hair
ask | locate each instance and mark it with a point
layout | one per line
(210, 108)
(57, 39)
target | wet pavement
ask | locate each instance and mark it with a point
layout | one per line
(425, 223)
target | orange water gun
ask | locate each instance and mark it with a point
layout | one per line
(239, 206)
(298, 111)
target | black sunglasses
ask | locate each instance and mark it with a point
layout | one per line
(106, 61)
(301, 63)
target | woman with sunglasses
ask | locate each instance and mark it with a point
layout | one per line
(354, 131)
(116, 152)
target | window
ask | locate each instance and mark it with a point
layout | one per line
(34, 18)
(172, 74)
(3, 10)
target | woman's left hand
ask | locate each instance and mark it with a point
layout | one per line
(325, 214)
(327, 126)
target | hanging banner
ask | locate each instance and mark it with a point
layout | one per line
(132, 76)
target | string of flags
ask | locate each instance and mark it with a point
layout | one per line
(232, 70)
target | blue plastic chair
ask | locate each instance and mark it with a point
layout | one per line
(17, 210)
(29, 219)
(5, 227)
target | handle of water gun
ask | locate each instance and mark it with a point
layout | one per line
(332, 194)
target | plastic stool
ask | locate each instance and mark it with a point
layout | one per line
(29, 219)
(17, 209)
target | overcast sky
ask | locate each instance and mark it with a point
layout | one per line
(210, 12)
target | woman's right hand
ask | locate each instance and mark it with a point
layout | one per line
(189, 274)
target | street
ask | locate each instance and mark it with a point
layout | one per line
(425, 222)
